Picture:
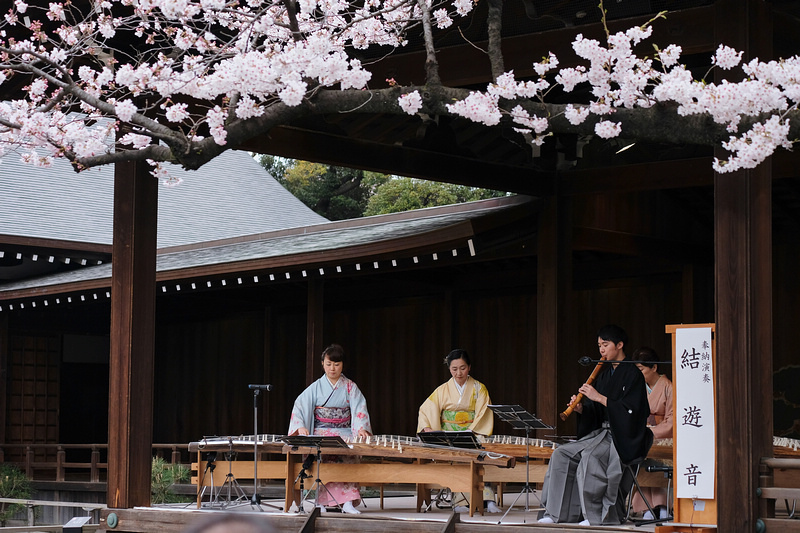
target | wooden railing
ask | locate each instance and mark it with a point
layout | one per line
(76, 462)
(31, 505)
(779, 482)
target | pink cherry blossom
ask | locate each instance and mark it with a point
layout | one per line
(411, 102)
(125, 110)
(670, 55)
(576, 115)
(607, 129)
(726, 58)
(239, 62)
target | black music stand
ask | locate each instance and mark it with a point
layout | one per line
(518, 417)
(318, 442)
(455, 439)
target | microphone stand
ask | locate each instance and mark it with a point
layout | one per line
(255, 501)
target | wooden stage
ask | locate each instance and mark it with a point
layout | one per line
(391, 462)
(398, 516)
(394, 512)
(408, 473)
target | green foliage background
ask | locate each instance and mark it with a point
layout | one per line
(162, 476)
(13, 484)
(339, 193)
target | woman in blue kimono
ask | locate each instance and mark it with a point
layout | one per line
(333, 405)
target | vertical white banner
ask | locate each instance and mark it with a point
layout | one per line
(694, 473)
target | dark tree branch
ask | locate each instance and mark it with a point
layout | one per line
(495, 23)
(431, 63)
(659, 123)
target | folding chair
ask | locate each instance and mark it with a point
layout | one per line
(631, 471)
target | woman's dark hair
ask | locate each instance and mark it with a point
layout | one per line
(334, 352)
(645, 354)
(613, 333)
(458, 353)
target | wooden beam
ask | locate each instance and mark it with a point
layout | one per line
(656, 175)
(623, 272)
(299, 143)
(56, 244)
(631, 244)
(743, 279)
(130, 409)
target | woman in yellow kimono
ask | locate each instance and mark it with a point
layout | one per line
(460, 404)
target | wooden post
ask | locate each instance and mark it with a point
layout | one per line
(743, 279)
(743, 273)
(130, 406)
(61, 457)
(554, 279)
(744, 340)
(30, 458)
(314, 342)
(291, 493)
(94, 472)
(3, 378)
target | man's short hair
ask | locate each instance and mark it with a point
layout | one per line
(613, 333)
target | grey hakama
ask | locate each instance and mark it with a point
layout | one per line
(584, 482)
(584, 479)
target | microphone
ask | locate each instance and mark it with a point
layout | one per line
(586, 361)
(260, 387)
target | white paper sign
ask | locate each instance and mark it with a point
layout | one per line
(694, 471)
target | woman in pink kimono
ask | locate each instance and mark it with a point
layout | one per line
(333, 405)
(659, 396)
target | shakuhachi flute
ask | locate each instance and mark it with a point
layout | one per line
(579, 397)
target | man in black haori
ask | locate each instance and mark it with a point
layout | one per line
(584, 481)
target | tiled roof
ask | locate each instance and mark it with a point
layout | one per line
(229, 197)
(299, 248)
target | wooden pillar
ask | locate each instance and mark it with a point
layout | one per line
(130, 406)
(744, 341)
(314, 341)
(554, 280)
(3, 377)
(743, 280)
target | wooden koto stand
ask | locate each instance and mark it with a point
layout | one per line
(384, 462)
(422, 466)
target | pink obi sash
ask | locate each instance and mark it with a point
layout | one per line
(332, 417)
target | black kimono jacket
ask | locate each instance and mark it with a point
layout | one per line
(627, 410)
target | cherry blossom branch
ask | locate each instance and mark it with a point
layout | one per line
(203, 76)
(495, 24)
(431, 63)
